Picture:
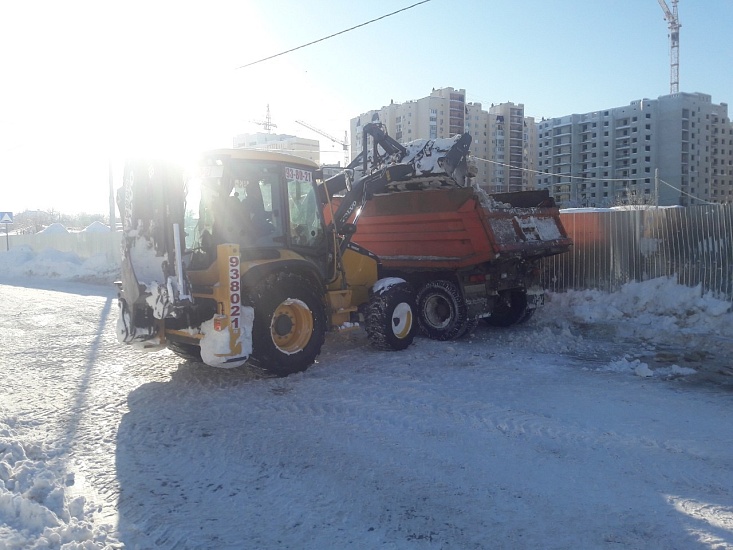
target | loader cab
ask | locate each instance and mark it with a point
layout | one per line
(263, 201)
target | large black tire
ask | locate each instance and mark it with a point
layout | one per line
(470, 328)
(442, 312)
(510, 309)
(289, 324)
(190, 352)
(390, 318)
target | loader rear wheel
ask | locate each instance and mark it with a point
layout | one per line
(442, 313)
(190, 352)
(390, 318)
(289, 325)
(510, 309)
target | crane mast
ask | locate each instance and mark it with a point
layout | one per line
(267, 124)
(673, 23)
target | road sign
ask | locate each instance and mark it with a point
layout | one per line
(6, 217)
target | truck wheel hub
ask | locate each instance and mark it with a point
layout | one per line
(437, 311)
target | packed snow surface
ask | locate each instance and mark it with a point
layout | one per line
(605, 421)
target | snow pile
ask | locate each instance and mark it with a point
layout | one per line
(662, 319)
(36, 509)
(217, 346)
(638, 367)
(649, 309)
(54, 229)
(96, 227)
(22, 262)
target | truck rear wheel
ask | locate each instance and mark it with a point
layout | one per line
(510, 309)
(390, 318)
(442, 313)
(289, 325)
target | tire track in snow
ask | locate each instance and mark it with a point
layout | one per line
(424, 398)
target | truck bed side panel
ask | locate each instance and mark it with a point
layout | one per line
(449, 229)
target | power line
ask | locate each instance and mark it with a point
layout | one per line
(550, 173)
(685, 193)
(331, 35)
(627, 180)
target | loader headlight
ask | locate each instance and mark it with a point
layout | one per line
(220, 322)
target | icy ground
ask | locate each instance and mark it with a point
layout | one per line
(604, 422)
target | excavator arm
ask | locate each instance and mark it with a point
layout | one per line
(389, 166)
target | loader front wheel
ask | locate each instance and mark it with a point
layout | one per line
(442, 313)
(390, 318)
(289, 325)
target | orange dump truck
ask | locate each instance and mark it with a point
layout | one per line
(467, 254)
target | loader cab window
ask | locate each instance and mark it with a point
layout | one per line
(306, 223)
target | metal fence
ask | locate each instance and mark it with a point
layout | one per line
(84, 244)
(610, 248)
(618, 246)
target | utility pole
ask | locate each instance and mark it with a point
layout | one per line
(112, 220)
(673, 21)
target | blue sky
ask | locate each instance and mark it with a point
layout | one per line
(87, 82)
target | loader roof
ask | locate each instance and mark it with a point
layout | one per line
(253, 154)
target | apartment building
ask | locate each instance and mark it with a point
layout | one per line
(504, 140)
(282, 143)
(610, 157)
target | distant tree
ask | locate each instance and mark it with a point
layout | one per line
(31, 221)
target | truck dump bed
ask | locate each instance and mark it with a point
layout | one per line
(459, 227)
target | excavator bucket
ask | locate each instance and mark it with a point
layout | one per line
(152, 204)
(158, 306)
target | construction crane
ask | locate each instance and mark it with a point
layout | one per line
(344, 143)
(674, 44)
(267, 124)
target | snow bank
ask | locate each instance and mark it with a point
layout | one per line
(630, 365)
(96, 227)
(662, 318)
(54, 229)
(22, 261)
(651, 308)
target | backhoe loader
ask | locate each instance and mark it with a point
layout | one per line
(254, 256)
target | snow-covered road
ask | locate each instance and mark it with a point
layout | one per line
(539, 436)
